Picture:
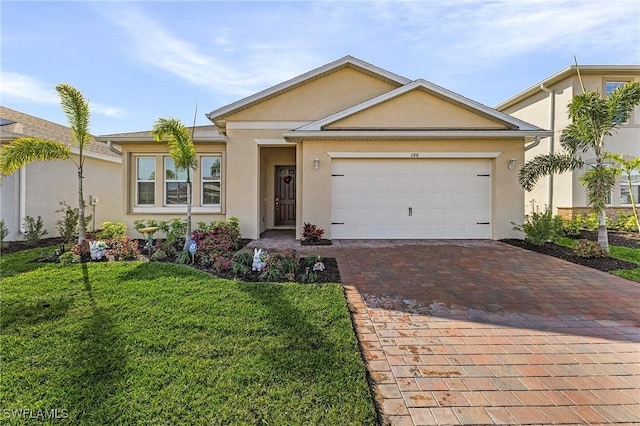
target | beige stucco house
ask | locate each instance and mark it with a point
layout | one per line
(37, 189)
(545, 104)
(355, 149)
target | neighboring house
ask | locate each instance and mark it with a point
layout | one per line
(38, 188)
(355, 149)
(545, 104)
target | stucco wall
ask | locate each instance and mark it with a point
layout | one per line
(315, 185)
(48, 183)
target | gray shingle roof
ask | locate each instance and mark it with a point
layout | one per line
(28, 125)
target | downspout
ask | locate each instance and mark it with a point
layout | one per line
(113, 148)
(22, 196)
(552, 124)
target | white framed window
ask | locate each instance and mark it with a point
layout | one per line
(610, 86)
(625, 193)
(175, 184)
(210, 174)
(145, 181)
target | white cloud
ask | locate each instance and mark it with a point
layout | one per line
(26, 88)
(234, 74)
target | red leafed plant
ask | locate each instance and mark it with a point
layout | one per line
(311, 233)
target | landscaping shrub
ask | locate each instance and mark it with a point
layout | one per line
(540, 227)
(82, 252)
(68, 224)
(586, 248)
(173, 229)
(4, 231)
(33, 230)
(69, 258)
(111, 230)
(311, 233)
(624, 222)
(123, 248)
(217, 244)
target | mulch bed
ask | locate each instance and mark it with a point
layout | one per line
(605, 264)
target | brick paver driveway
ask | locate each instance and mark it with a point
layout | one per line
(485, 333)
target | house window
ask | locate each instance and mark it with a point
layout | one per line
(145, 181)
(210, 174)
(625, 194)
(175, 182)
(610, 86)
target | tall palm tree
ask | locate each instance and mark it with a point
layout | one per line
(628, 165)
(592, 119)
(182, 152)
(23, 151)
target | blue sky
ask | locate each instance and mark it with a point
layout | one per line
(137, 61)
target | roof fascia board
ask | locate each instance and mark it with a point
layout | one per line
(137, 139)
(415, 134)
(97, 156)
(430, 87)
(565, 73)
(347, 60)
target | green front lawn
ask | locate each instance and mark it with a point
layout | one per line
(622, 253)
(156, 343)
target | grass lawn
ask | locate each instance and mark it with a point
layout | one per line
(155, 343)
(622, 253)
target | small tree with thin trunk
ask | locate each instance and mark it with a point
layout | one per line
(182, 152)
(23, 151)
(593, 118)
(628, 165)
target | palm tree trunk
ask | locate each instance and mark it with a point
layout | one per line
(603, 237)
(82, 230)
(187, 235)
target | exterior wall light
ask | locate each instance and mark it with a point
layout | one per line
(316, 163)
(511, 164)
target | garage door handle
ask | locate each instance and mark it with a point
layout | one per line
(410, 211)
(483, 223)
(337, 223)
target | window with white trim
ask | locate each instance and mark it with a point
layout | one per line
(610, 86)
(175, 184)
(210, 168)
(625, 191)
(145, 181)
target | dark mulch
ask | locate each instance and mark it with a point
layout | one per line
(16, 246)
(321, 242)
(605, 264)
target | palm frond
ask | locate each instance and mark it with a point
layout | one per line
(543, 165)
(28, 149)
(621, 102)
(598, 181)
(76, 108)
(179, 141)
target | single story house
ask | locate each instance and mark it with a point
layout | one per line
(38, 188)
(545, 104)
(357, 150)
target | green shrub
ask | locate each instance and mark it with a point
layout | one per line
(33, 230)
(586, 248)
(68, 224)
(624, 222)
(243, 258)
(159, 255)
(540, 227)
(112, 230)
(69, 258)
(123, 248)
(4, 231)
(184, 257)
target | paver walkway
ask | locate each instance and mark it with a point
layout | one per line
(480, 332)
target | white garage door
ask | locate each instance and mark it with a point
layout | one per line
(411, 198)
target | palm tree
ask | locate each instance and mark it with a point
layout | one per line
(592, 119)
(182, 152)
(23, 151)
(628, 165)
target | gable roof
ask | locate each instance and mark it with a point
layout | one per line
(433, 89)
(347, 61)
(208, 133)
(565, 73)
(20, 124)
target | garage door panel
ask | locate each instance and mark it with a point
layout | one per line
(409, 198)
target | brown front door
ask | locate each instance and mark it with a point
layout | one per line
(285, 196)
